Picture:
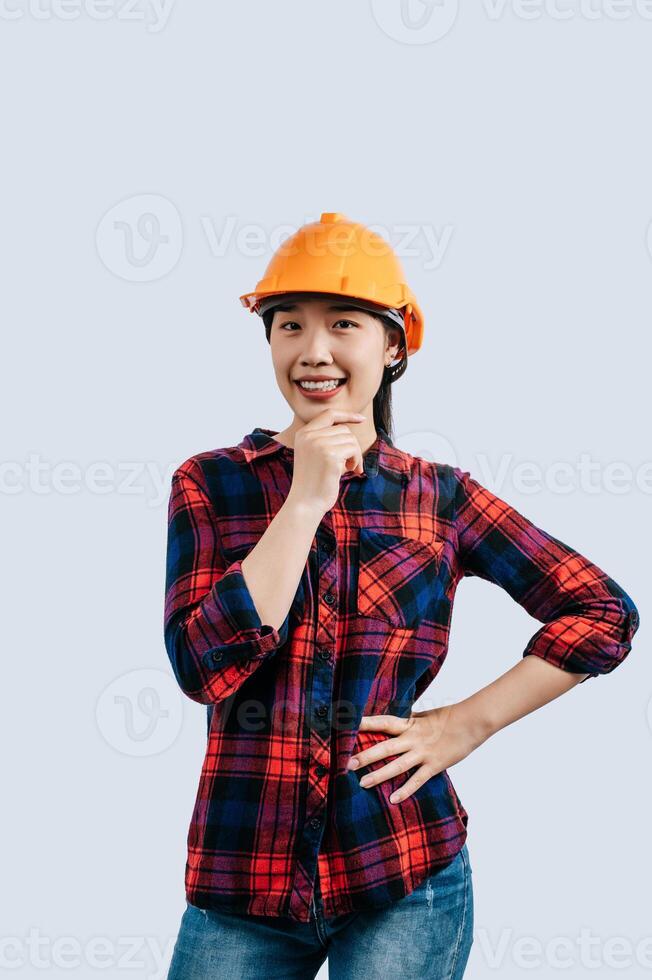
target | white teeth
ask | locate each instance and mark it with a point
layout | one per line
(319, 385)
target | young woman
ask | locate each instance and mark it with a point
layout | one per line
(311, 575)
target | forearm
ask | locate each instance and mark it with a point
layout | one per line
(272, 570)
(528, 685)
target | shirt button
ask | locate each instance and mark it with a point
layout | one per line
(321, 770)
(315, 823)
(329, 598)
(322, 710)
(324, 653)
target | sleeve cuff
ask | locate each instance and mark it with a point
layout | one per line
(249, 638)
(574, 644)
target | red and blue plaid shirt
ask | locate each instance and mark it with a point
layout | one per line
(367, 632)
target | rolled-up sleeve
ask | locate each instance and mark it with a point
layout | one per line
(213, 633)
(589, 620)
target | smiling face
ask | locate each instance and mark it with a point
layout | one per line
(323, 339)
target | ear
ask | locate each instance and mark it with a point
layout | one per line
(394, 341)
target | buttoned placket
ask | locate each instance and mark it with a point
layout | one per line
(319, 698)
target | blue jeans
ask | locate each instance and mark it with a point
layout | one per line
(428, 933)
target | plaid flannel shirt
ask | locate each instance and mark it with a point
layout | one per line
(367, 632)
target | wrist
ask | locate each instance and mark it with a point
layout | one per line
(474, 721)
(303, 511)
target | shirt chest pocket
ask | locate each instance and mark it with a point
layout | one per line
(397, 577)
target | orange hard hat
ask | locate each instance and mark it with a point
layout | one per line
(340, 257)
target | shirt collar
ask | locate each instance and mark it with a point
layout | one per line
(381, 455)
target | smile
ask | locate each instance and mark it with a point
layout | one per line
(321, 385)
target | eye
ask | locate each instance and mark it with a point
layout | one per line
(293, 323)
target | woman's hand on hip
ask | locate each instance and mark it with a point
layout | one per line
(432, 740)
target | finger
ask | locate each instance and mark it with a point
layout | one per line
(389, 746)
(356, 463)
(339, 433)
(420, 777)
(330, 416)
(406, 762)
(345, 439)
(383, 723)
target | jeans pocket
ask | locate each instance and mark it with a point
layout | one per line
(453, 874)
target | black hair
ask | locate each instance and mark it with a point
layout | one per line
(382, 403)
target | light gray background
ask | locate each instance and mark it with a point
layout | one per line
(519, 139)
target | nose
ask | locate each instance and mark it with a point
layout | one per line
(316, 349)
